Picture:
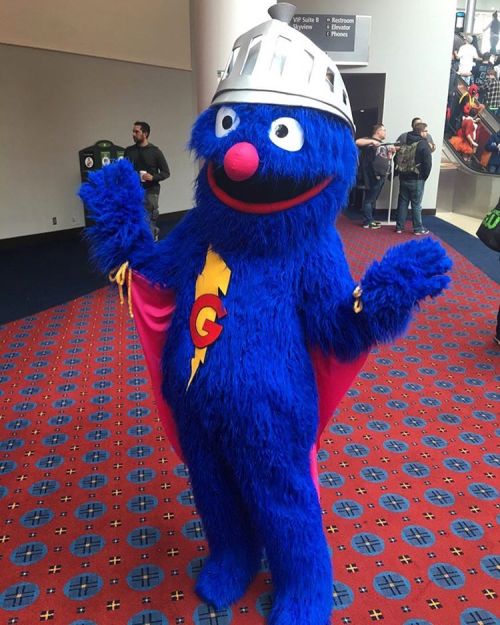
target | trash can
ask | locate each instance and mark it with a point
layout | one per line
(96, 156)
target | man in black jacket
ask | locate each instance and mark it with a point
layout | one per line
(374, 167)
(152, 166)
(414, 162)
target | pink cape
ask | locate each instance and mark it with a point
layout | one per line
(153, 309)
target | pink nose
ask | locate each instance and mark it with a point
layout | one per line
(241, 161)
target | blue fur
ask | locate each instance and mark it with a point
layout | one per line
(115, 202)
(328, 148)
(248, 421)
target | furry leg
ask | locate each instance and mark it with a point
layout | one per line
(287, 513)
(234, 552)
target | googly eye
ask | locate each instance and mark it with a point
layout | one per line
(287, 133)
(226, 121)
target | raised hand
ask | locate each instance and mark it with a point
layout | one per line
(393, 287)
(114, 199)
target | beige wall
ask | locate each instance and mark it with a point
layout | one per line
(52, 104)
(215, 25)
(113, 29)
(55, 99)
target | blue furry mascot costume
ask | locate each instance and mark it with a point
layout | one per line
(259, 316)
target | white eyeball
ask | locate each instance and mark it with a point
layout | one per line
(226, 121)
(287, 134)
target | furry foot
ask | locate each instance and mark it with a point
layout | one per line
(224, 579)
(294, 610)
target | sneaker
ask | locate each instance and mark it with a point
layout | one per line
(373, 225)
(398, 231)
(420, 232)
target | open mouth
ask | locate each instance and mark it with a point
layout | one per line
(261, 195)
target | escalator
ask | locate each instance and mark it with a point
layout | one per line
(466, 187)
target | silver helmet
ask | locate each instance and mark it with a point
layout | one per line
(275, 64)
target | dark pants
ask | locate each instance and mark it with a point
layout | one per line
(151, 205)
(494, 169)
(370, 200)
(410, 191)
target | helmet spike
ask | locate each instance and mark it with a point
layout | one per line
(282, 11)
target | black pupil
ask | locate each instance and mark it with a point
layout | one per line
(227, 122)
(281, 131)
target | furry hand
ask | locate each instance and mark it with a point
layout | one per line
(114, 200)
(393, 287)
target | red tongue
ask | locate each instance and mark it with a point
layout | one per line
(241, 161)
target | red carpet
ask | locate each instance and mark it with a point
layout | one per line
(97, 520)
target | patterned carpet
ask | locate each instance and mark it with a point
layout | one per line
(98, 524)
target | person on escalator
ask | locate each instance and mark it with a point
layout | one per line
(466, 56)
(480, 69)
(471, 98)
(464, 141)
(490, 92)
(493, 146)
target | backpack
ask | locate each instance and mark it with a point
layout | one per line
(489, 230)
(382, 161)
(406, 159)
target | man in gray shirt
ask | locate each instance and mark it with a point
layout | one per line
(417, 120)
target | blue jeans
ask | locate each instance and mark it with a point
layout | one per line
(410, 191)
(494, 169)
(370, 200)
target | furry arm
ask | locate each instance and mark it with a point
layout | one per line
(391, 290)
(393, 287)
(120, 231)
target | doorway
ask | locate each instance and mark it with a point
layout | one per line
(366, 93)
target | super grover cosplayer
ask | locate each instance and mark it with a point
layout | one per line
(251, 323)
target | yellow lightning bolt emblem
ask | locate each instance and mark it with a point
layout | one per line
(207, 307)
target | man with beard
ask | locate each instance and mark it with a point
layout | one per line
(152, 166)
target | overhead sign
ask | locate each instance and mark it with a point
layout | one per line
(343, 37)
(329, 32)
